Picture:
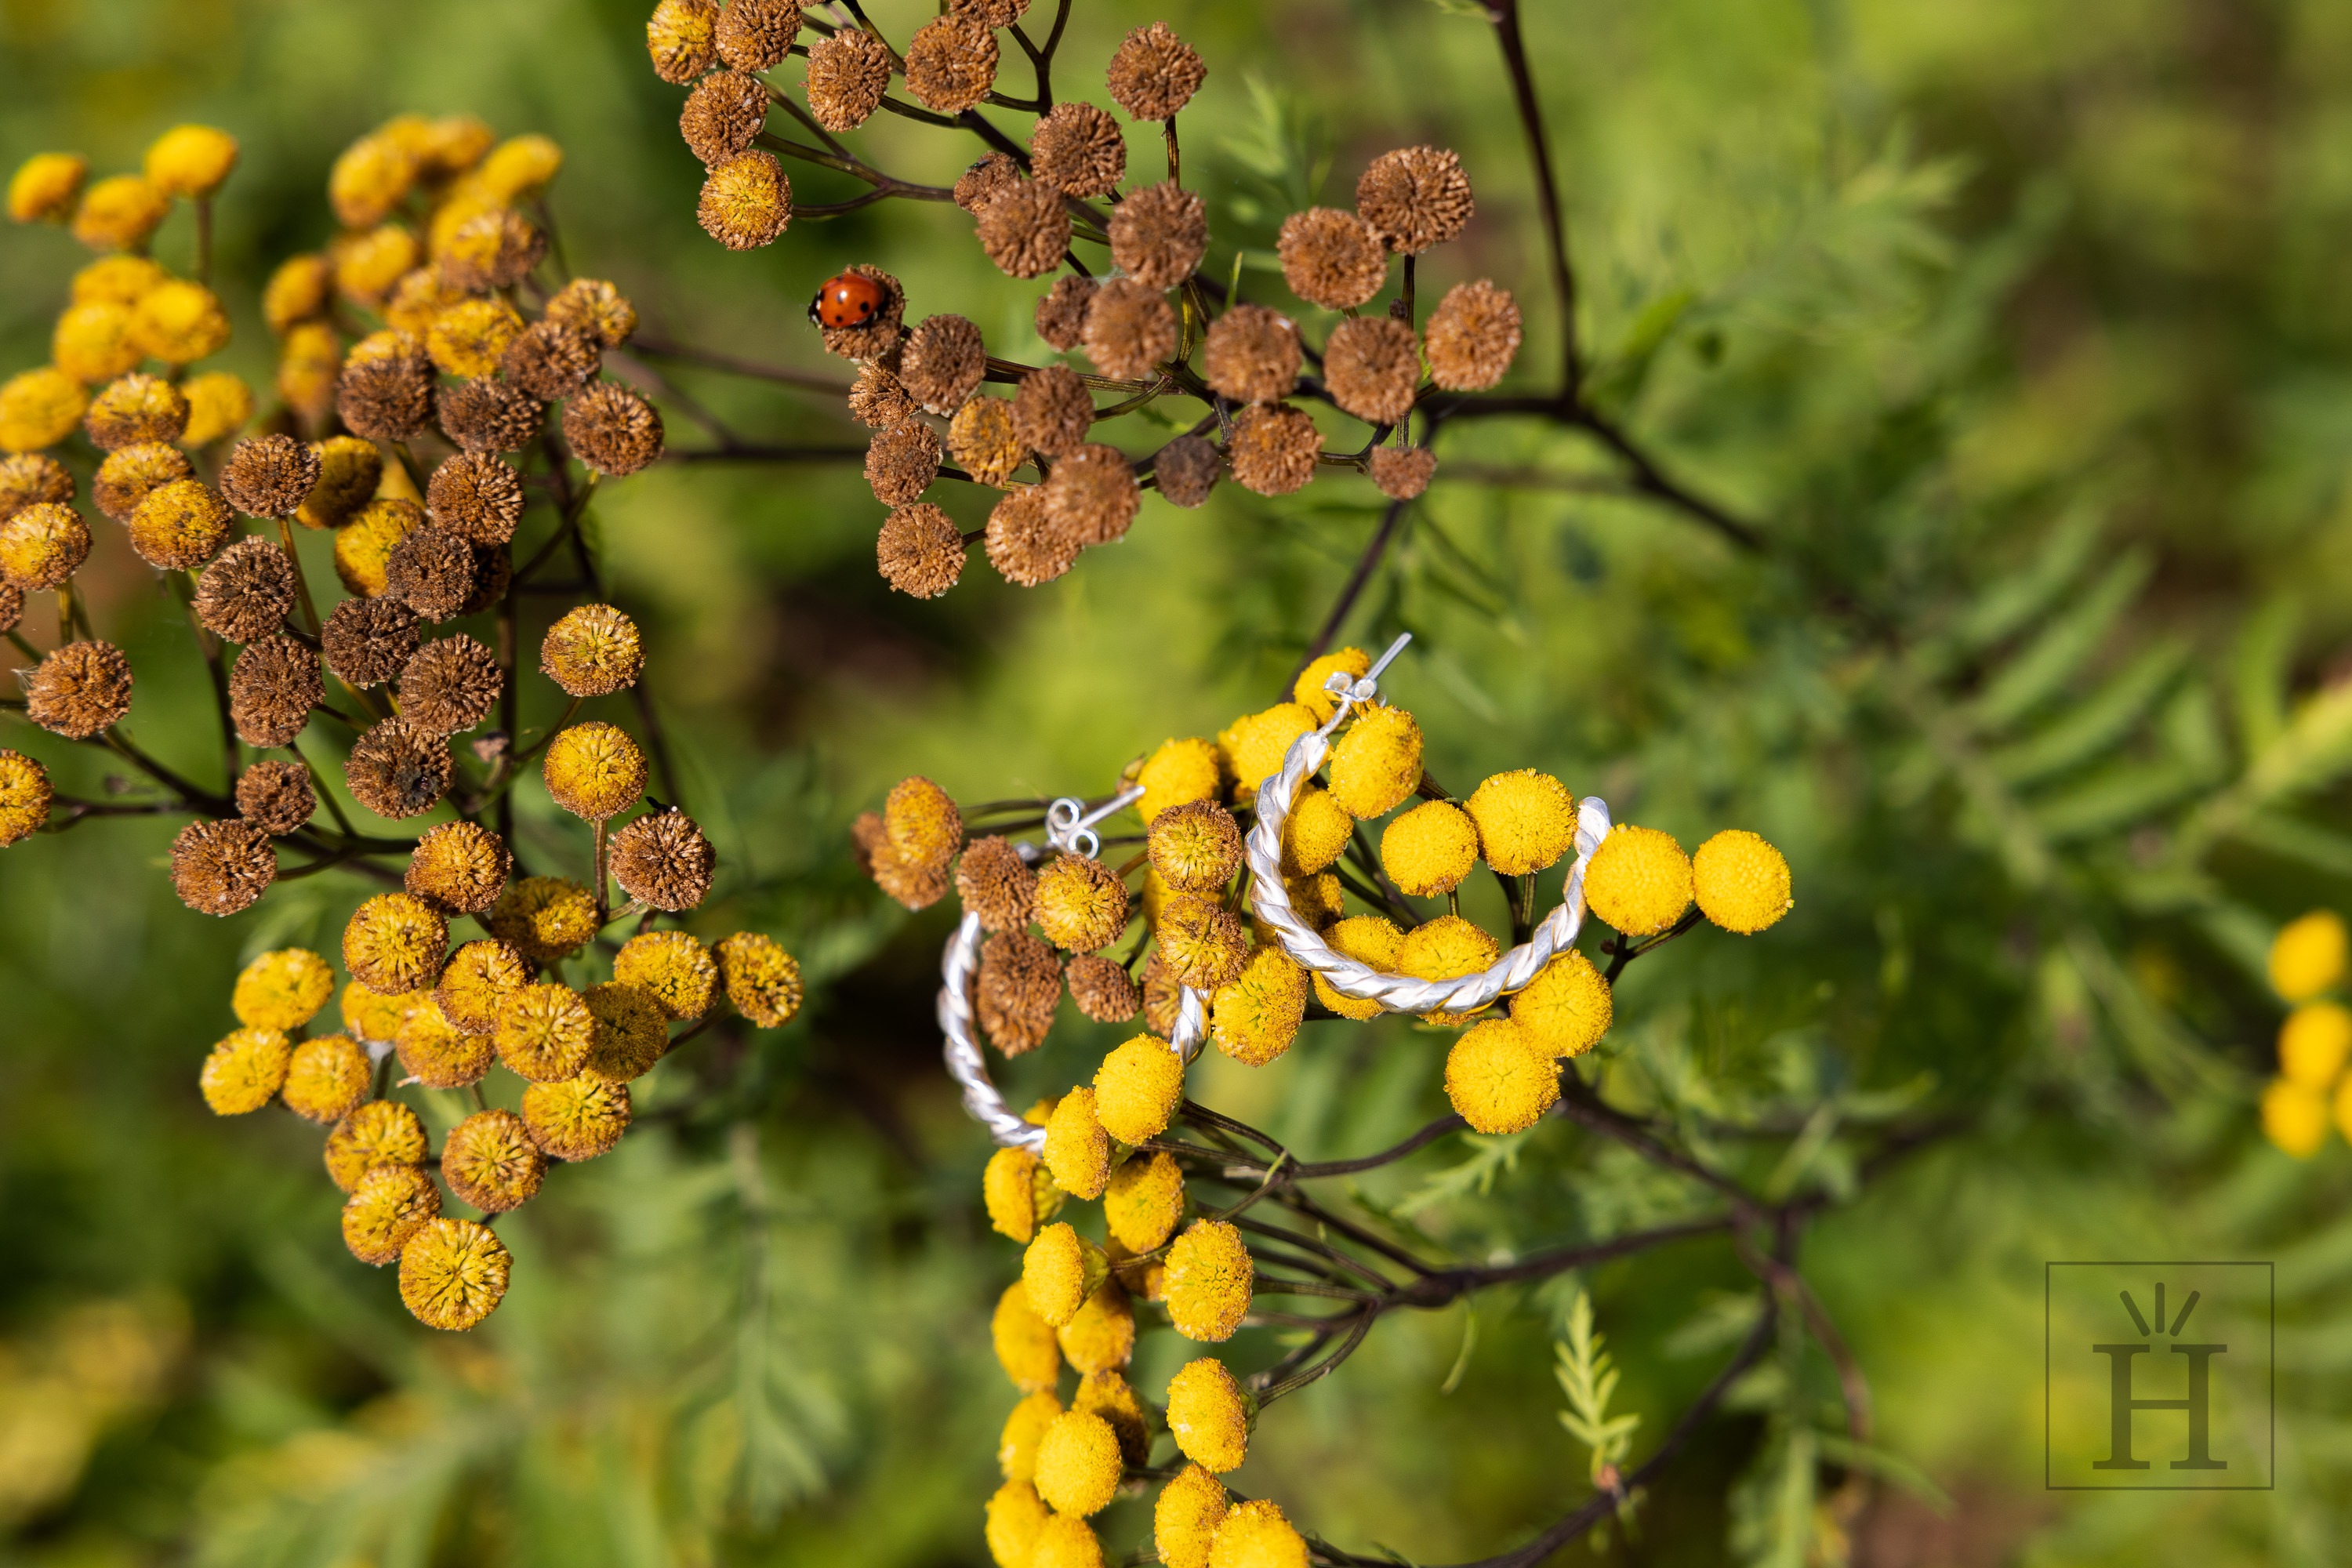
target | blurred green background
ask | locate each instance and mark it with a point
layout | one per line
(2022, 333)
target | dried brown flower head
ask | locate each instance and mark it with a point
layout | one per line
(1187, 468)
(951, 63)
(246, 591)
(1159, 234)
(431, 571)
(1331, 259)
(129, 473)
(662, 859)
(1403, 472)
(276, 796)
(995, 884)
(1023, 543)
(1130, 329)
(902, 461)
(451, 685)
(1078, 148)
(27, 478)
(996, 173)
(272, 688)
(80, 689)
(756, 35)
(917, 887)
(1274, 448)
(1062, 313)
(594, 307)
(681, 37)
(269, 476)
(135, 408)
(1155, 73)
(459, 868)
(1415, 198)
(994, 13)
(387, 397)
(489, 1158)
(848, 74)
(1103, 989)
(397, 770)
(1024, 230)
(486, 414)
(1092, 495)
(1018, 989)
(985, 444)
(1473, 336)
(220, 867)
(876, 400)
(942, 363)
(592, 651)
(1053, 411)
(478, 982)
(746, 202)
(920, 550)
(477, 497)
(552, 361)
(43, 545)
(181, 525)
(494, 249)
(369, 641)
(1371, 365)
(873, 338)
(419, 297)
(1252, 355)
(12, 607)
(723, 116)
(612, 429)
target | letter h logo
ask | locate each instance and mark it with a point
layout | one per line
(2123, 1357)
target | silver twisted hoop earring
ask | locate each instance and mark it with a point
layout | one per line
(1069, 826)
(1360, 982)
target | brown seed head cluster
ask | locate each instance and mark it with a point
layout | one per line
(612, 430)
(681, 37)
(1401, 472)
(1159, 234)
(1331, 259)
(663, 859)
(902, 461)
(369, 641)
(1371, 365)
(756, 35)
(1187, 469)
(276, 796)
(994, 882)
(942, 363)
(1017, 989)
(594, 307)
(1274, 448)
(1026, 230)
(1023, 542)
(451, 685)
(984, 179)
(1130, 329)
(181, 525)
(747, 202)
(387, 395)
(1155, 73)
(431, 571)
(1053, 411)
(28, 479)
(1103, 989)
(1252, 355)
(593, 650)
(486, 414)
(873, 338)
(1062, 313)
(551, 361)
(1092, 495)
(1078, 148)
(127, 474)
(491, 250)
(136, 407)
(984, 442)
(80, 689)
(269, 476)
(397, 770)
(920, 550)
(272, 688)
(951, 63)
(848, 75)
(1415, 198)
(1473, 336)
(723, 115)
(477, 497)
(221, 867)
(876, 400)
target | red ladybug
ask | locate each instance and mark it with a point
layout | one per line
(851, 300)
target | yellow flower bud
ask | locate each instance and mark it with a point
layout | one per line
(1376, 765)
(1316, 833)
(2294, 1117)
(1209, 1277)
(1178, 773)
(1370, 939)
(1741, 882)
(1185, 1518)
(45, 186)
(1078, 1467)
(1254, 746)
(1101, 1338)
(1210, 1414)
(2307, 956)
(1024, 1341)
(1430, 849)
(1016, 1447)
(1019, 1194)
(191, 160)
(282, 989)
(1526, 821)
(2312, 1044)
(1144, 1202)
(1308, 690)
(1016, 1514)
(1254, 1017)
(1137, 1089)
(1639, 880)
(1257, 1535)
(1078, 1148)
(1566, 1008)
(1498, 1079)
(1059, 1272)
